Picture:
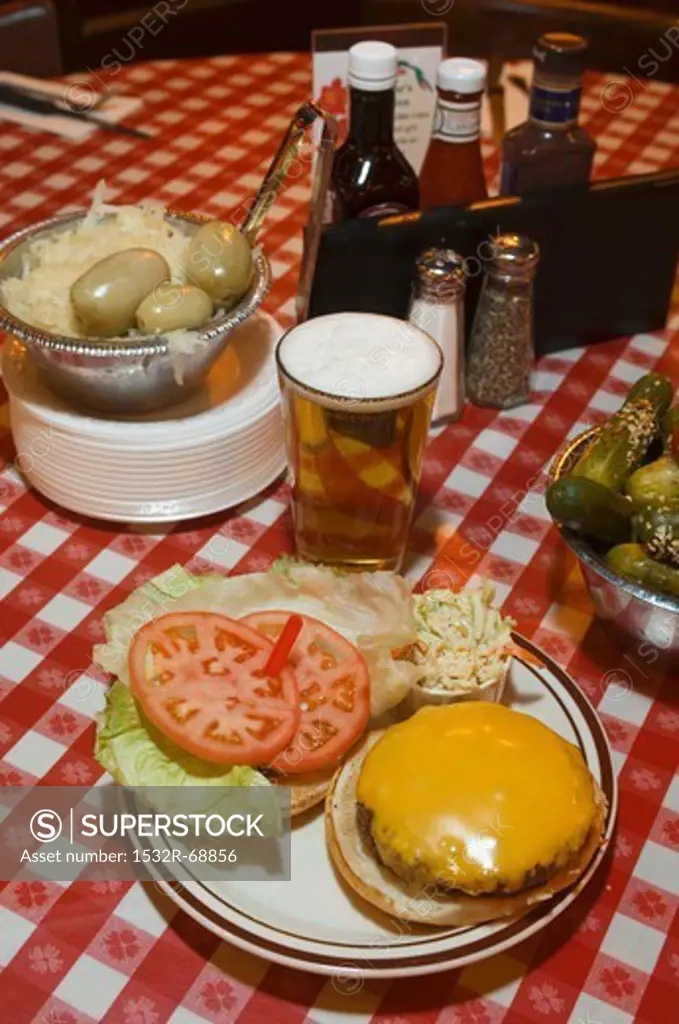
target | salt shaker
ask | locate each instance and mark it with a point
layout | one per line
(438, 308)
(501, 352)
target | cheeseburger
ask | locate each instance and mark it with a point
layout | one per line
(462, 814)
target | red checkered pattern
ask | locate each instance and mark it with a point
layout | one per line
(120, 953)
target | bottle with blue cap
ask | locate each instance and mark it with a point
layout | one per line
(550, 150)
(371, 177)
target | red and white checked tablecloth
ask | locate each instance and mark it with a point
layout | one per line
(121, 954)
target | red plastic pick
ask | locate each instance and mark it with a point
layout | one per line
(278, 658)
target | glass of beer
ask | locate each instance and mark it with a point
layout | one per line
(358, 391)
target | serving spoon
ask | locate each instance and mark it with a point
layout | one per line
(277, 175)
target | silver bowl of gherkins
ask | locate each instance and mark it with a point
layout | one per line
(615, 498)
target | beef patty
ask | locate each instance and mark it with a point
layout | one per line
(420, 875)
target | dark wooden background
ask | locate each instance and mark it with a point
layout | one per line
(621, 33)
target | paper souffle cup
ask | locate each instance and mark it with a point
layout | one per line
(492, 690)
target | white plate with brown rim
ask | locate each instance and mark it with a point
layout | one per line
(315, 923)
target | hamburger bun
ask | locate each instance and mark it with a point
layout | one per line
(309, 789)
(306, 791)
(356, 861)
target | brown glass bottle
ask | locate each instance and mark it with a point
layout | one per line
(453, 167)
(550, 150)
(370, 175)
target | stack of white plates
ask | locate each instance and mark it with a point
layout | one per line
(218, 448)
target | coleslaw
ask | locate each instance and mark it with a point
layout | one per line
(463, 641)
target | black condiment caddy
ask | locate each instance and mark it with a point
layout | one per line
(608, 262)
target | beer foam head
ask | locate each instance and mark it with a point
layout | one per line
(359, 356)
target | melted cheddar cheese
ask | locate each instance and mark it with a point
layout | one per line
(476, 796)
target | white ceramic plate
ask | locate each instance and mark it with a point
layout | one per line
(315, 923)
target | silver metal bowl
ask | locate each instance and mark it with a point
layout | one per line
(650, 620)
(124, 375)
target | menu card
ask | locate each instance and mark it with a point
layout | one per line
(421, 48)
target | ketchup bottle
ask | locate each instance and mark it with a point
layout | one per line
(453, 167)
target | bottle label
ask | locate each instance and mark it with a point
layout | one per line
(383, 210)
(554, 106)
(457, 121)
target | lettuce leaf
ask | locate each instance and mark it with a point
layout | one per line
(136, 753)
(154, 598)
(372, 610)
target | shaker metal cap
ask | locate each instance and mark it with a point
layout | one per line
(514, 255)
(440, 273)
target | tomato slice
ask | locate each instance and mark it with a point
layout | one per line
(199, 677)
(334, 688)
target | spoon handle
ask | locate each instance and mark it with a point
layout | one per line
(276, 176)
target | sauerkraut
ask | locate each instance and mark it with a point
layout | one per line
(41, 296)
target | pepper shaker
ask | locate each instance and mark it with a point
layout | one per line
(501, 350)
(438, 308)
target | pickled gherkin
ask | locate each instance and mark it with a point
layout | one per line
(670, 429)
(656, 484)
(658, 530)
(174, 307)
(656, 388)
(633, 562)
(220, 262)
(621, 444)
(105, 298)
(670, 422)
(590, 509)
